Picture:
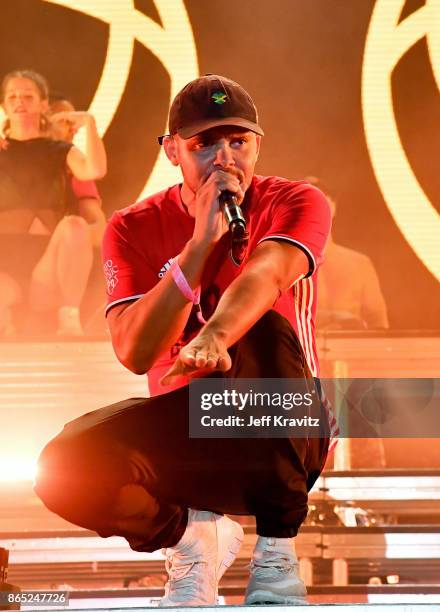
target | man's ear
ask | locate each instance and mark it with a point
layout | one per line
(170, 146)
(258, 141)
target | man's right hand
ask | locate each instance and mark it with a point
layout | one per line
(205, 353)
(210, 222)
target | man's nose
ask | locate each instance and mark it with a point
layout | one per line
(223, 156)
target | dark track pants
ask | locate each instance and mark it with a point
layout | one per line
(131, 470)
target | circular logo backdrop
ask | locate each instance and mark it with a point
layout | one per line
(387, 41)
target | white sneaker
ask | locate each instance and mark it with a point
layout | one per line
(274, 576)
(196, 564)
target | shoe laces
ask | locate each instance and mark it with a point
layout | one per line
(183, 573)
(272, 563)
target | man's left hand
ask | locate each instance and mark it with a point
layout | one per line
(203, 355)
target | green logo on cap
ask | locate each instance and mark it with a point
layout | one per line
(219, 97)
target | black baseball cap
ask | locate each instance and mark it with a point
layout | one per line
(208, 102)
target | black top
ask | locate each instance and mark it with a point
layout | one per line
(33, 174)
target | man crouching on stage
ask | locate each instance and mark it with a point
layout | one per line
(180, 304)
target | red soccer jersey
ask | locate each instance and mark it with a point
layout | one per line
(141, 240)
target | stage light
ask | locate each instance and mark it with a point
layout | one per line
(393, 579)
(17, 468)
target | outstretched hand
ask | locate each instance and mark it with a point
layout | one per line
(206, 353)
(3, 144)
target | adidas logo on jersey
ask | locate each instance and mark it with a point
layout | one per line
(164, 268)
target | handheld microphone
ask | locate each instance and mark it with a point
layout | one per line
(232, 211)
(237, 226)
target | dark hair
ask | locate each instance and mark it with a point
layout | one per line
(33, 76)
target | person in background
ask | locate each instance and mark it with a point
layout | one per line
(83, 196)
(45, 253)
(350, 296)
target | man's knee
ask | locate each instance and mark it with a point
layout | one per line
(53, 482)
(79, 476)
(67, 481)
(270, 348)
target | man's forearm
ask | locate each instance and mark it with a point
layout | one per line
(143, 330)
